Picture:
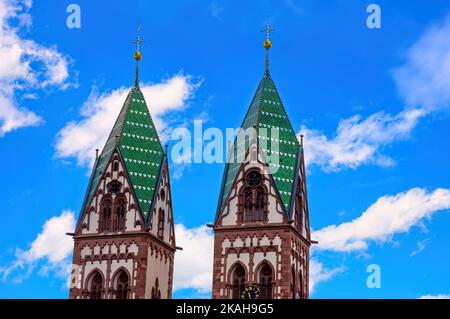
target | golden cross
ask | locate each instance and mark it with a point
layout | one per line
(139, 40)
(267, 30)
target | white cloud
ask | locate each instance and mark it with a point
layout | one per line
(421, 245)
(24, 65)
(99, 112)
(389, 215)
(440, 296)
(193, 265)
(12, 117)
(216, 10)
(358, 141)
(319, 273)
(51, 246)
(51, 251)
(424, 80)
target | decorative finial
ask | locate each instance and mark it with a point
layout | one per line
(137, 55)
(267, 30)
(267, 44)
(138, 42)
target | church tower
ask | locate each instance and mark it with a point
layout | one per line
(124, 241)
(261, 229)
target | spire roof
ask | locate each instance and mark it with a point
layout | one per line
(267, 111)
(135, 137)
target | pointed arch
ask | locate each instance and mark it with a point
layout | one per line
(293, 285)
(156, 291)
(121, 283)
(120, 212)
(301, 283)
(237, 279)
(95, 284)
(265, 274)
(105, 213)
(253, 198)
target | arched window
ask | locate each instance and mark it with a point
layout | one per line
(237, 281)
(293, 287)
(95, 285)
(265, 282)
(105, 214)
(120, 213)
(301, 283)
(161, 222)
(156, 292)
(254, 198)
(162, 195)
(121, 285)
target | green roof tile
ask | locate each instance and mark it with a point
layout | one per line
(266, 111)
(139, 146)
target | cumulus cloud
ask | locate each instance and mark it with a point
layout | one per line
(359, 141)
(24, 65)
(389, 215)
(424, 80)
(319, 273)
(12, 117)
(50, 250)
(79, 139)
(193, 264)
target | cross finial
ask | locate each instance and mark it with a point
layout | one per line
(137, 55)
(138, 42)
(268, 31)
(267, 45)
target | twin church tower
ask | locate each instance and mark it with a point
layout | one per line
(124, 241)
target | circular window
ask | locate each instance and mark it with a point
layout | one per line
(114, 186)
(254, 179)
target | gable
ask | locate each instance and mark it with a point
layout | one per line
(114, 172)
(228, 215)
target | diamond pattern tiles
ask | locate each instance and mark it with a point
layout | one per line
(267, 112)
(140, 148)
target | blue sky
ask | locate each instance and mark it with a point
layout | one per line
(373, 104)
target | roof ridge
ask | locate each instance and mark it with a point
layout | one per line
(259, 105)
(125, 105)
(127, 102)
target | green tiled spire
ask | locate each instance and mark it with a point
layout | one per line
(267, 111)
(135, 137)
